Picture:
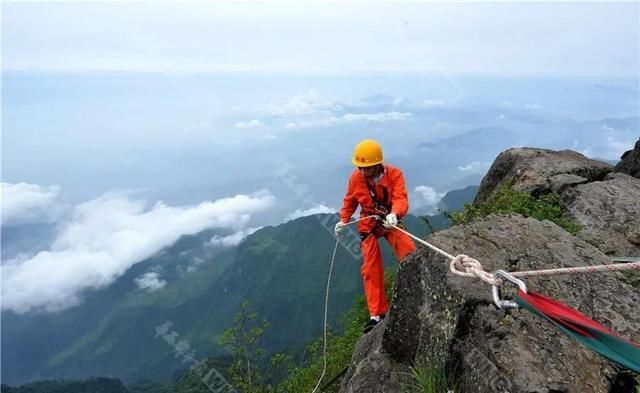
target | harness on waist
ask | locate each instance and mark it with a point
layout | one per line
(382, 208)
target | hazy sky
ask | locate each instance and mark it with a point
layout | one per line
(94, 154)
(506, 38)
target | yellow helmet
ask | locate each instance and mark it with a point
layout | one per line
(367, 153)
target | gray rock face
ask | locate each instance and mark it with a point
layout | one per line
(449, 321)
(378, 370)
(605, 203)
(538, 171)
(609, 211)
(559, 183)
(630, 163)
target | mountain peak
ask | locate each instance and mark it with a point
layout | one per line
(450, 322)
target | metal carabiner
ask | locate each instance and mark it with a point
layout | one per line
(495, 290)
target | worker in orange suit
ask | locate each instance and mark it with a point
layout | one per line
(379, 189)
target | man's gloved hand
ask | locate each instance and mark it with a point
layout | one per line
(339, 227)
(390, 220)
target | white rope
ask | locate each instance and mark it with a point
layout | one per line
(326, 305)
(614, 267)
(465, 266)
(431, 246)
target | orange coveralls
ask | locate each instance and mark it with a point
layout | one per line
(392, 192)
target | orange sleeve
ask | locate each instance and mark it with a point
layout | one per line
(399, 197)
(349, 204)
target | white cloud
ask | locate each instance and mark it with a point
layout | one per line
(532, 106)
(318, 209)
(300, 124)
(104, 238)
(434, 103)
(150, 281)
(24, 203)
(440, 125)
(305, 104)
(586, 151)
(501, 116)
(475, 167)
(233, 239)
(426, 199)
(307, 37)
(378, 117)
(615, 147)
(249, 124)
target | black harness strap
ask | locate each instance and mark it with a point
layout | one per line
(382, 208)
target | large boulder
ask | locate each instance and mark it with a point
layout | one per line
(448, 321)
(540, 171)
(630, 162)
(603, 202)
(609, 212)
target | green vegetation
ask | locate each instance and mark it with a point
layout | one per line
(95, 385)
(243, 339)
(303, 378)
(281, 270)
(203, 377)
(508, 200)
(339, 348)
(428, 379)
(633, 278)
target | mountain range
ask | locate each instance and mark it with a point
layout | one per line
(280, 270)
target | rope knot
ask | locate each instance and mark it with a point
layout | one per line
(465, 266)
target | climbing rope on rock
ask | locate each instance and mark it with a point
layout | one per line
(568, 320)
(465, 266)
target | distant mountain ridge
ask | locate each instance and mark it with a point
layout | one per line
(279, 269)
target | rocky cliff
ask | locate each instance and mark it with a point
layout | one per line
(450, 322)
(630, 162)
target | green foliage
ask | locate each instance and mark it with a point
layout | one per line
(632, 278)
(201, 378)
(427, 378)
(339, 348)
(150, 387)
(508, 200)
(243, 339)
(281, 269)
(94, 385)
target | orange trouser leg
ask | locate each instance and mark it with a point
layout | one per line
(401, 244)
(372, 272)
